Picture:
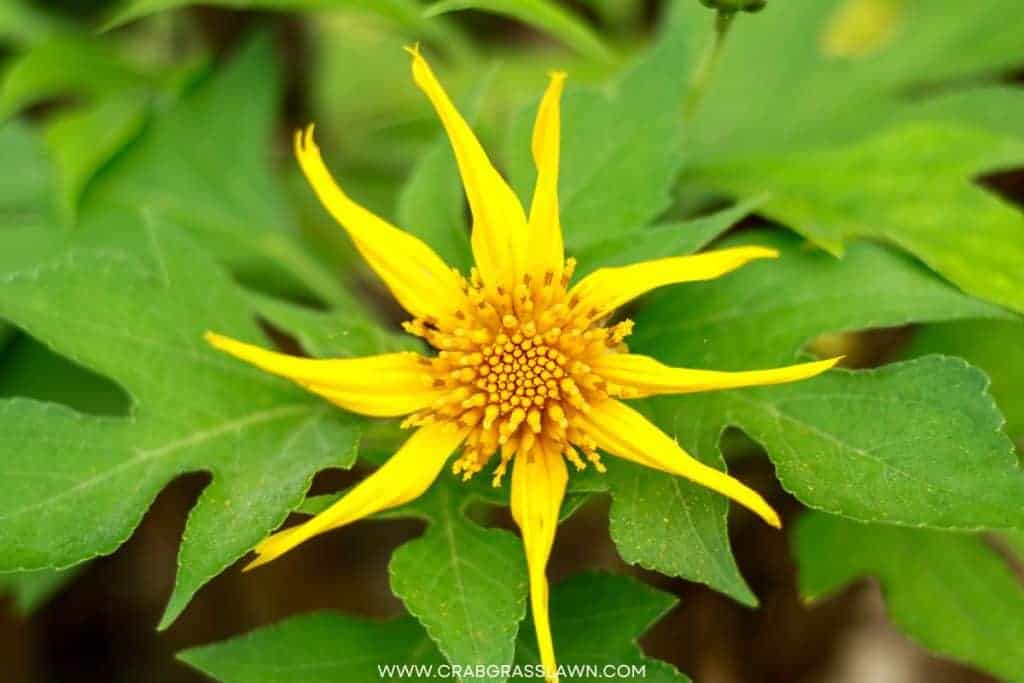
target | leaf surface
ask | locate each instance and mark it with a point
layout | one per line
(595, 621)
(323, 647)
(867, 145)
(621, 147)
(80, 489)
(831, 438)
(916, 443)
(950, 592)
(541, 14)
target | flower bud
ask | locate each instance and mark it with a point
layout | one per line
(732, 6)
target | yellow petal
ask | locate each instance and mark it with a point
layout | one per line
(545, 250)
(625, 433)
(499, 224)
(538, 486)
(606, 289)
(421, 281)
(648, 377)
(409, 472)
(387, 385)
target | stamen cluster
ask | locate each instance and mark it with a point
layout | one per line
(516, 369)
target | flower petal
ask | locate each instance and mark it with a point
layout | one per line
(625, 433)
(404, 477)
(421, 281)
(387, 385)
(604, 290)
(545, 252)
(538, 486)
(499, 223)
(644, 376)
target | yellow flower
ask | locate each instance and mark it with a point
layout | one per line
(526, 373)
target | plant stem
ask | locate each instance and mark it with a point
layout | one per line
(708, 62)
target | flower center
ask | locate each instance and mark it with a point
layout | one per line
(513, 367)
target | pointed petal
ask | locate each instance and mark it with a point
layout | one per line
(644, 376)
(404, 477)
(420, 280)
(545, 251)
(625, 433)
(387, 385)
(604, 290)
(538, 486)
(499, 223)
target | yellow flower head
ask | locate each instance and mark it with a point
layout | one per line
(526, 373)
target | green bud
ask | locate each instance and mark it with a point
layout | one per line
(731, 6)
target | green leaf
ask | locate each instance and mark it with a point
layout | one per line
(404, 13)
(993, 108)
(66, 66)
(323, 647)
(23, 23)
(659, 241)
(202, 163)
(28, 369)
(1015, 539)
(432, 204)
(466, 584)
(867, 146)
(83, 141)
(673, 526)
(541, 14)
(832, 438)
(27, 225)
(910, 187)
(337, 333)
(621, 148)
(950, 592)
(31, 590)
(995, 346)
(760, 317)
(80, 491)
(776, 90)
(595, 621)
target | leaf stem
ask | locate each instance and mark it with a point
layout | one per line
(708, 62)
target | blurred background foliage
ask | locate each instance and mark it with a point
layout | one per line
(886, 131)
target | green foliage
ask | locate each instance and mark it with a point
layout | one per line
(995, 346)
(204, 164)
(542, 14)
(143, 206)
(662, 240)
(66, 66)
(816, 131)
(466, 584)
(322, 647)
(24, 23)
(80, 491)
(27, 207)
(840, 194)
(621, 147)
(950, 592)
(405, 13)
(600, 616)
(831, 438)
(596, 619)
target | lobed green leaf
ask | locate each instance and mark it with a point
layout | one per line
(950, 592)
